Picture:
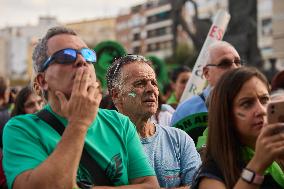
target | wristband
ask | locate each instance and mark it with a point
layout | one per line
(251, 177)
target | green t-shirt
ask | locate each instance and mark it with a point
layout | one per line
(172, 99)
(111, 139)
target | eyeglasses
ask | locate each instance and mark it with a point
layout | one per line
(69, 56)
(227, 63)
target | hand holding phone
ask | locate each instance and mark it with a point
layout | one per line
(275, 112)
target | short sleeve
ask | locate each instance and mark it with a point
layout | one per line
(209, 170)
(190, 159)
(138, 165)
(22, 151)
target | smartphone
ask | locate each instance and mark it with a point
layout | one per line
(275, 112)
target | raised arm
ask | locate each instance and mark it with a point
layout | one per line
(59, 170)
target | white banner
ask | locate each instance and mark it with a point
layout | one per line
(197, 82)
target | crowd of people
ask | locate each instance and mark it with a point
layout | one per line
(61, 132)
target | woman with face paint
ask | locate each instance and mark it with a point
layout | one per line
(242, 151)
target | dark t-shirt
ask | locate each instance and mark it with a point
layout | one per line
(210, 170)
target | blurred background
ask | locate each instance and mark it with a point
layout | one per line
(169, 32)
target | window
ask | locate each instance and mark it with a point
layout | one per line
(136, 50)
(266, 29)
(136, 36)
(159, 17)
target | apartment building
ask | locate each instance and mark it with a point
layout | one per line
(3, 57)
(94, 31)
(16, 44)
(143, 29)
(278, 31)
(146, 29)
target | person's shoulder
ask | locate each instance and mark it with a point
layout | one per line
(23, 122)
(190, 106)
(22, 119)
(114, 118)
(209, 170)
(175, 132)
(171, 129)
(190, 102)
(167, 108)
(112, 114)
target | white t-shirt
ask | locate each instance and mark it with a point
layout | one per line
(164, 118)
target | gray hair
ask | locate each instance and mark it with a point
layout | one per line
(40, 50)
(113, 75)
(214, 45)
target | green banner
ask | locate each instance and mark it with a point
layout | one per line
(194, 125)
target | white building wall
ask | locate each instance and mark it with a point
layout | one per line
(3, 61)
(17, 43)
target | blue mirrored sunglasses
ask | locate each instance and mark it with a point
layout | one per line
(69, 56)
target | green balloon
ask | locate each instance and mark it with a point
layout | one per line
(107, 52)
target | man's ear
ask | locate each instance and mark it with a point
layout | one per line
(40, 80)
(115, 96)
(205, 72)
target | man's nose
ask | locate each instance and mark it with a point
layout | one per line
(151, 87)
(80, 61)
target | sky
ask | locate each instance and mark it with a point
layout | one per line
(24, 12)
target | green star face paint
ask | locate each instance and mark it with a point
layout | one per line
(132, 94)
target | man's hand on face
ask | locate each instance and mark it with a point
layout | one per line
(82, 107)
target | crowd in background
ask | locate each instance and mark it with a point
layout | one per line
(217, 139)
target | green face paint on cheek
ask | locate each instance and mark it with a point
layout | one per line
(241, 115)
(132, 94)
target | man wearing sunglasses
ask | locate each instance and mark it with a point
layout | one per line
(36, 156)
(191, 115)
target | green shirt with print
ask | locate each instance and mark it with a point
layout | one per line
(111, 139)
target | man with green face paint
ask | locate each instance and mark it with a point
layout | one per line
(171, 152)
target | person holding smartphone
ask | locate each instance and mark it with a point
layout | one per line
(243, 151)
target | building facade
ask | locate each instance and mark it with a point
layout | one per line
(146, 29)
(16, 42)
(278, 32)
(95, 31)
